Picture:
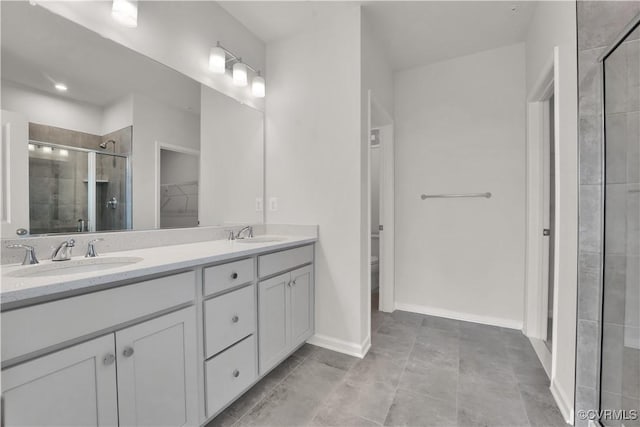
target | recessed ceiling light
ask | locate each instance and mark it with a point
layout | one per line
(61, 87)
(125, 12)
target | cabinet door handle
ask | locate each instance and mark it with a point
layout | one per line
(128, 352)
(234, 275)
(109, 359)
(294, 282)
(235, 318)
(236, 373)
(289, 283)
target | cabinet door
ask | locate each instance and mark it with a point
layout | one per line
(72, 387)
(273, 324)
(302, 316)
(157, 371)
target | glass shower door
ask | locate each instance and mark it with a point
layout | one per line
(111, 192)
(620, 353)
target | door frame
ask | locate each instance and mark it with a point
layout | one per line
(536, 266)
(159, 146)
(387, 206)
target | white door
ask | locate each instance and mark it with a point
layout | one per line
(14, 179)
(273, 324)
(72, 387)
(301, 288)
(157, 371)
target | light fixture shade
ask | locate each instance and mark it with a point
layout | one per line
(125, 12)
(217, 60)
(240, 74)
(258, 86)
(61, 87)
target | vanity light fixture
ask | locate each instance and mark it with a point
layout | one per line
(218, 60)
(258, 86)
(61, 87)
(240, 73)
(221, 59)
(64, 153)
(125, 12)
(47, 149)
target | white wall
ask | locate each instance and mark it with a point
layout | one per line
(232, 158)
(175, 33)
(377, 77)
(118, 115)
(48, 109)
(153, 122)
(554, 24)
(460, 128)
(313, 153)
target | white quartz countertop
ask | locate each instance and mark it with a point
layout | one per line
(17, 290)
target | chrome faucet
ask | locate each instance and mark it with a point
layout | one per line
(63, 251)
(91, 248)
(242, 230)
(29, 256)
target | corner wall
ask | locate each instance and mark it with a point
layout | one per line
(313, 159)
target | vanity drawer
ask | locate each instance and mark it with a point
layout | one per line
(230, 373)
(284, 260)
(224, 276)
(229, 318)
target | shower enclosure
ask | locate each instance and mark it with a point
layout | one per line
(620, 319)
(74, 189)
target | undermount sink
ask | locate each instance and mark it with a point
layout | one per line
(76, 266)
(261, 239)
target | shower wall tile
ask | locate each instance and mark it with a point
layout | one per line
(589, 82)
(589, 291)
(616, 148)
(56, 135)
(586, 399)
(615, 276)
(615, 235)
(599, 22)
(587, 364)
(612, 351)
(123, 139)
(590, 218)
(633, 147)
(590, 150)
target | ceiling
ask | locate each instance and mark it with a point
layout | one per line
(40, 49)
(411, 33)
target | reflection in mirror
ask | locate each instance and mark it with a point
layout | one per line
(114, 137)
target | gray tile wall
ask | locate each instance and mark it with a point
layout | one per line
(599, 22)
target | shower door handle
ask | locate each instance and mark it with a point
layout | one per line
(546, 232)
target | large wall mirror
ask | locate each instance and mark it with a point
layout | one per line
(113, 140)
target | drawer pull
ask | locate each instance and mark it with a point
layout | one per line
(234, 275)
(128, 352)
(236, 373)
(109, 359)
(235, 319)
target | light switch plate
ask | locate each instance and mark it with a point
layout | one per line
(273, 203)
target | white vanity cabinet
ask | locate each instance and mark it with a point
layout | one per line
(143, 374)
(285, 304)
(72, 387)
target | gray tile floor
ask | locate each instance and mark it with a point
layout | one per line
(420, 371)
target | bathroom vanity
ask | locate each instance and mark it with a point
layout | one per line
(171, 339)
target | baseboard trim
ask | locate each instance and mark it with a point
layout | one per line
(341, 346)
(474, 318)
(560, 397)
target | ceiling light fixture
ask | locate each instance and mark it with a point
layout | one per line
(32, 147)
(218, 60)
(240, 73)
(125, 12)
(47, 149)
(258, 86)
(61, 87)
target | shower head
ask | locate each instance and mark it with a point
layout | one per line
(104, 144)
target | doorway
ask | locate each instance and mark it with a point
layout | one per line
(381, 210)
(548, 233)
(177, 175)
